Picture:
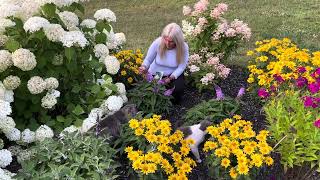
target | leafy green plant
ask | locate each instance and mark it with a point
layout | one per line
(215, 110)
(59, 54)
(73, 157)
(292, 129)
(151, 97)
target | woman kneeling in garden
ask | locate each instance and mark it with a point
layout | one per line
(168, 54)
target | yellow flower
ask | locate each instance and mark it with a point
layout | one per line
(151, 138)
(250, 53)
(248, 150)
(136, 165)
(233, 173)
(225, 162)
(128, 149)
(133, 123)
(237, 117)
(123, 73)
(257, 159)
(268, 160)
(144, 168)
(130, 80)
(243, 169)
(185, 168)
(184, 150)
(138, 131)
(176, 156)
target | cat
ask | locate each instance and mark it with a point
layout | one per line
(196, 132)
(111, 124)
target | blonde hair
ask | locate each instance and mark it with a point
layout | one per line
(173, 31)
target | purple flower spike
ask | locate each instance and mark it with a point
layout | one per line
(317, 123)
(263, 93)
(161, 81)
(219, 93)
(168, 92)
(149, 77)
(241, 92)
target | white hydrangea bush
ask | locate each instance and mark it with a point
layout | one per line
(55, 70)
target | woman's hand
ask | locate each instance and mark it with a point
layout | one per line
(142, 69)
(167, 80)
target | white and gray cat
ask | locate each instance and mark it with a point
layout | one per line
(196, 132)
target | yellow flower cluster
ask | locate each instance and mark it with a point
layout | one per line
(169, 153)
(130, 62)
(234, 140)
(282, 58)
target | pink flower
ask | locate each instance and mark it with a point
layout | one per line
(194, 58)
(197, 30)
(215, 13)
(186, 10)
(201, 6)
(241, 28)
(194, 68)
(313, 88)
(219, 10)
(213, 61)
(222, 70)
(317, 123)
(231, 32)
(222, 7)
(202, 21)
(263, 93)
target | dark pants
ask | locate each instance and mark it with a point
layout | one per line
(179, 85)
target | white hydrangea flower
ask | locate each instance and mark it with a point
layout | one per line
(8, 9)
(101, 50)
(48, 101)
(15, 150)
(51, 83)
(3, 40)
(4, 23)
(120, 38)
(6, 124)
(95, 113)
(28, 136)
(124, 98)
(105, 14)
(5, 60)
(5, 108)
(57, 60)
(114, 103)
(36, 85)
(11, 82)
(5, 175)
(24, 59)
(35, 23)
(88, 23)
(121, 88)
(70, 19)
(13, 135)
(6, 95)
(54, 93)
(54, 32)
(24, 155)
(44, 132)
(111, 40)
(5, 158)
(69, 130)
(29, 8)
(74, 38)
(112, 64)
(87, 124)
(187, 28)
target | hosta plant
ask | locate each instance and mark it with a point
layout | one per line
(235, 150)
(72, 157)
(293, 129)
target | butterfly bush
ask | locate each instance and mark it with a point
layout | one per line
(55, 69)
(211, 39)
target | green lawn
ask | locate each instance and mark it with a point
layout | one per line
(143, 20)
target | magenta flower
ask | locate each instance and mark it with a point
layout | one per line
(317, 123)
(168, 92)
(317, 71)
(301, 81)
(161, 81)
(219, 93)
(241, 92)
(263, 93)
(310, 102)
(273, 88)
(301, 69)
(313, 88)
(278, 78)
